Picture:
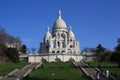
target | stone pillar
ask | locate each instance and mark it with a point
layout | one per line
(60, 44)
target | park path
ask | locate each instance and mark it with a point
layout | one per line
(20, 74)
(91, 72)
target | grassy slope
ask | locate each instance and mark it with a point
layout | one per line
(61, 71)
(7, 68)
(102, 64)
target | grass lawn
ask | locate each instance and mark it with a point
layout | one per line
(7, 68)
(57, 71)
(102, 64)
(112, 67)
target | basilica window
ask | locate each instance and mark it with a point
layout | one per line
(47, 41)
(58, 44)
(53, 52)
(63, 35)
(47, 46)
(70, 40)
(63, 44)
(58, 51)
(59, 36)
(54, 35)
(71, 46)
(54, 44)
(63, 51)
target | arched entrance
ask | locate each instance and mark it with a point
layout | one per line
(44, 60)
(58, 52)
(58, 60)
(71, 60)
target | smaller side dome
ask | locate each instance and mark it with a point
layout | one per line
(48, 34)
(71, 34)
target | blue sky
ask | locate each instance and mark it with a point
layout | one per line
(92, 21)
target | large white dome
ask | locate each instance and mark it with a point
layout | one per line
(59, 24)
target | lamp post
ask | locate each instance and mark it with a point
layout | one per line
(107, 73)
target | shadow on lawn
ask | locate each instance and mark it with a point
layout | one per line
(35, 78)
(45, 78)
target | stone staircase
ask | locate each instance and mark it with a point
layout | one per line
(20, 74)
(91, 72)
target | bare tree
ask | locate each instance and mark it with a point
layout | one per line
(33, 49)
(6, 38)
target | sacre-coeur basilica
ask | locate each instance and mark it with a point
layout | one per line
(58, 45)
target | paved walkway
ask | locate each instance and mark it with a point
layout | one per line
(91, 72)
(19, 74)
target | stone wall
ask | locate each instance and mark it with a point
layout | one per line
(54, 58)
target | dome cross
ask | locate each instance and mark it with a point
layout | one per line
(59, 14)
(70, 28)
(48, 28)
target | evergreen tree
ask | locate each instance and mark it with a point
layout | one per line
(3, 48)
(100, 50)
(23, 48)
(115, 57)
(13, 54)
(117, 49)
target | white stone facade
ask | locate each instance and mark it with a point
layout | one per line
(60, 44)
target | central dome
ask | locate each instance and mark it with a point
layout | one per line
(59, 24)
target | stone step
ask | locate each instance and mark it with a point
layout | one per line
(19, 74)
(92, 72)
